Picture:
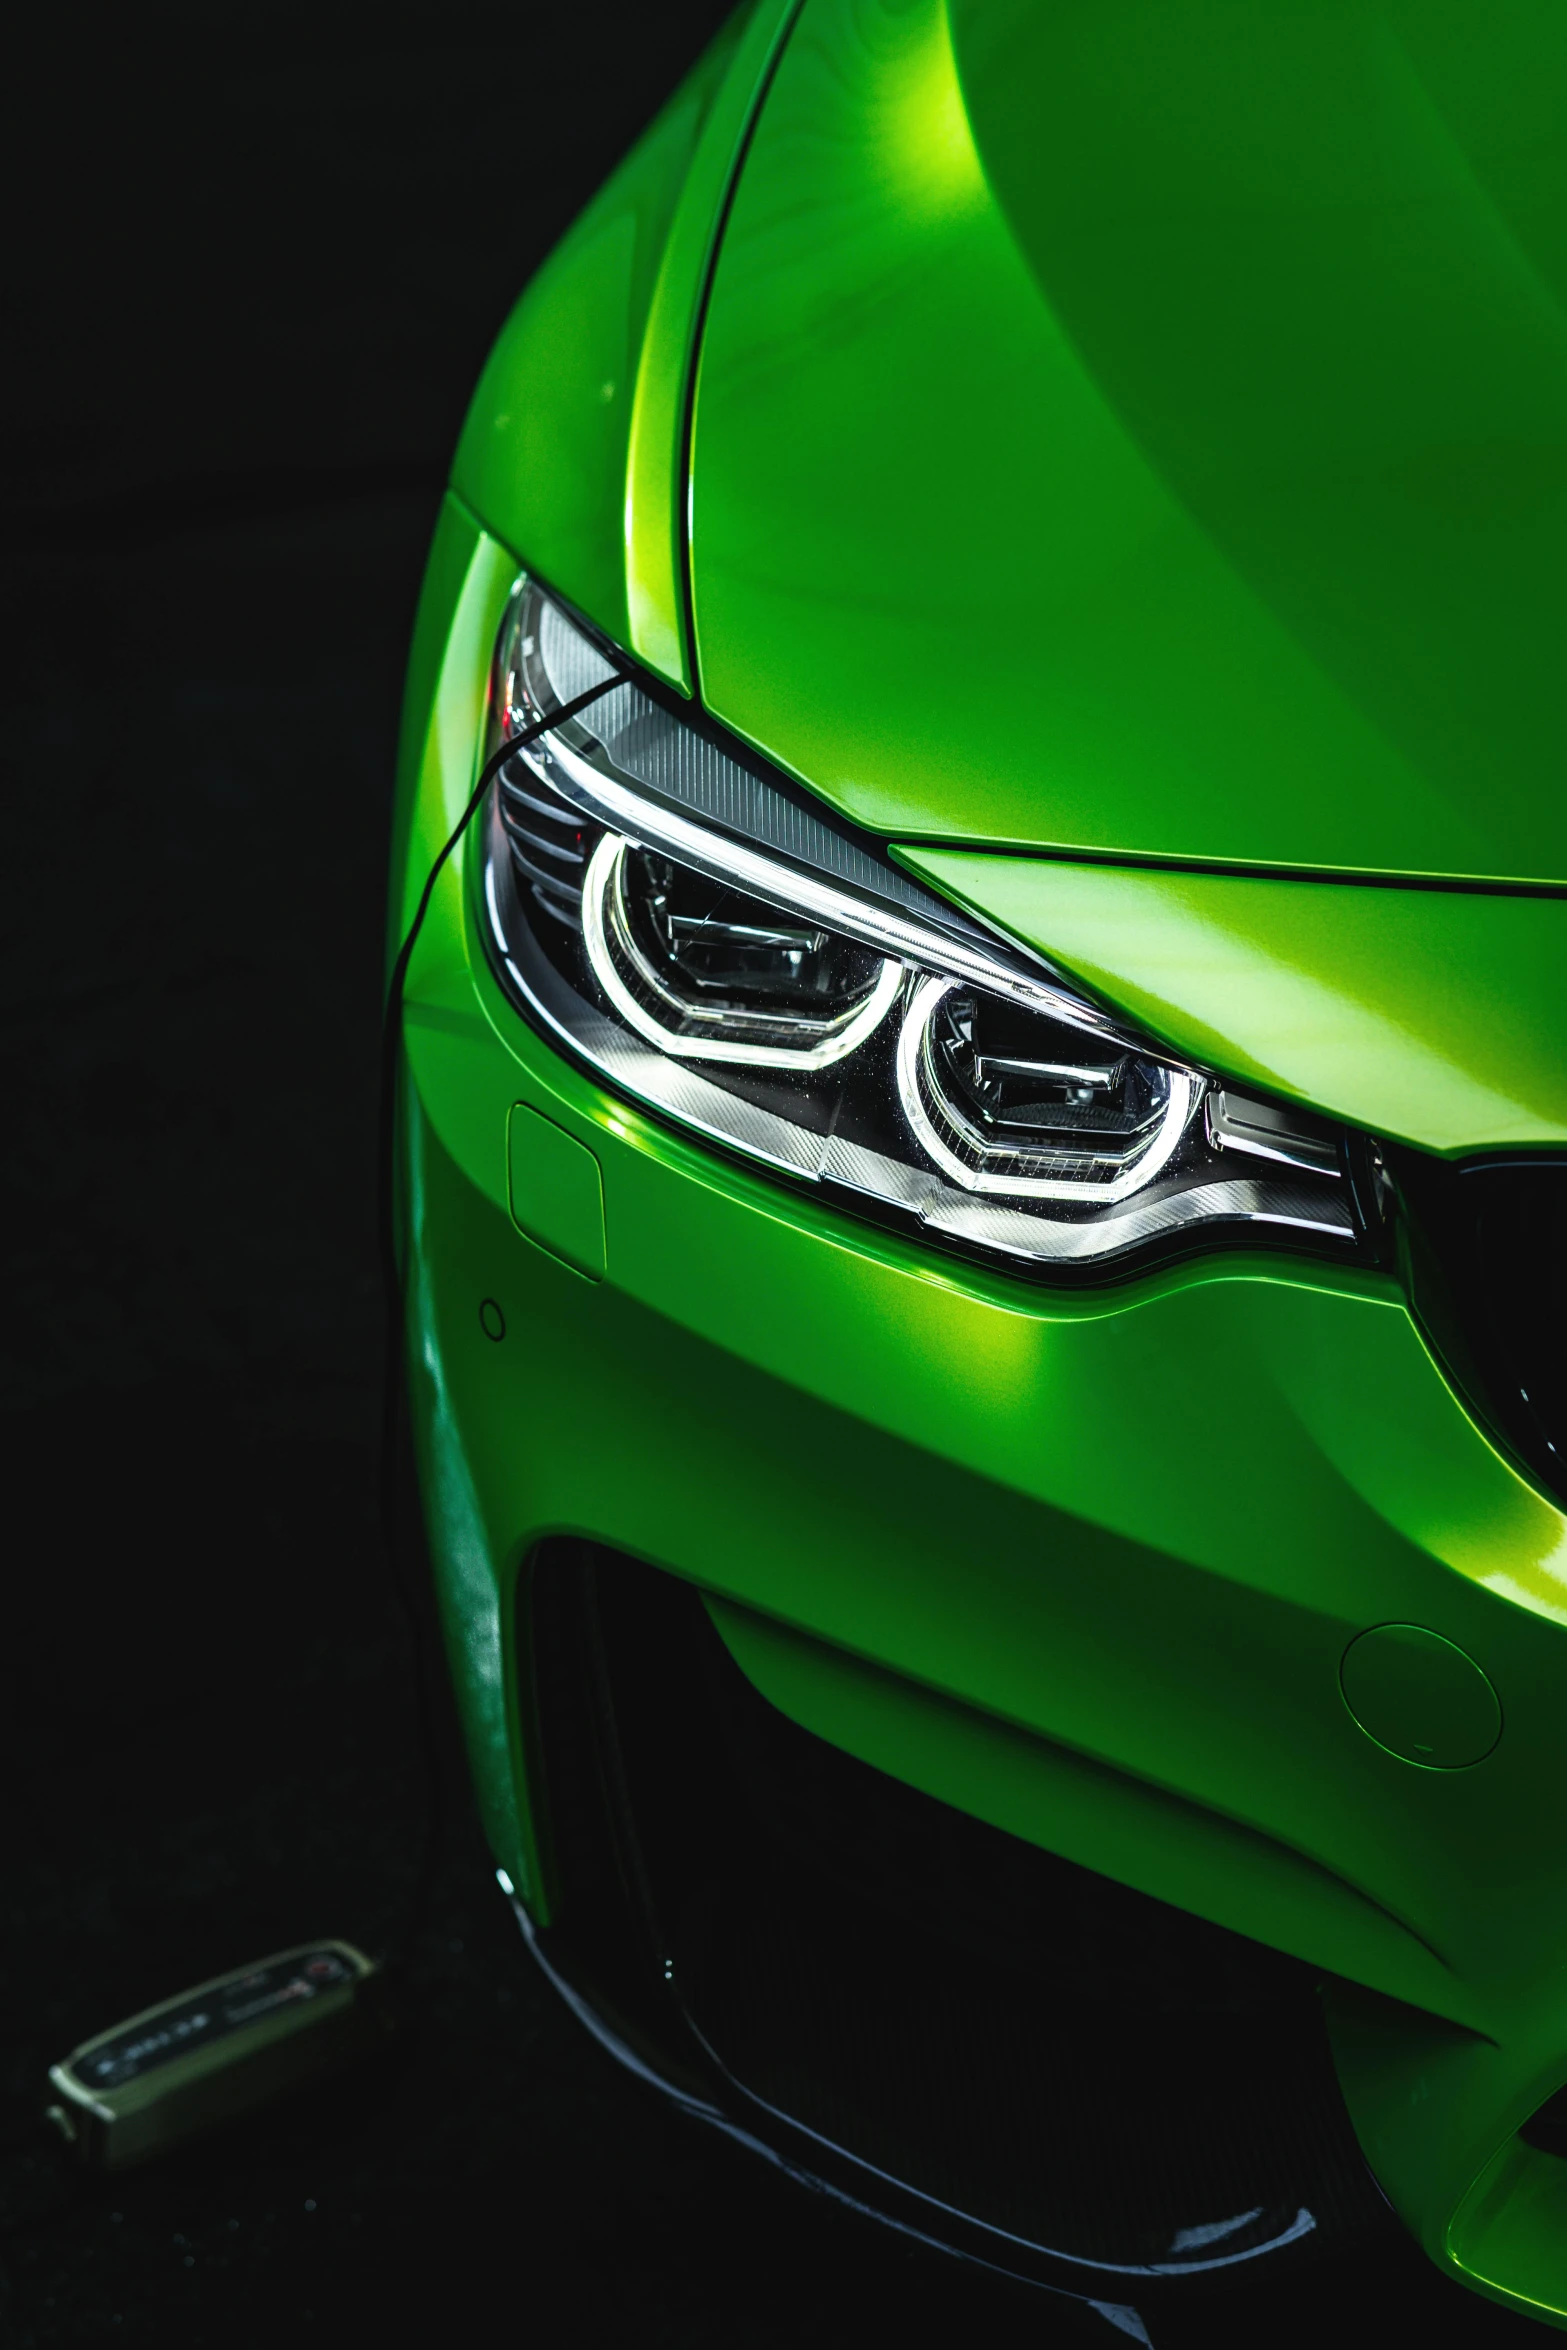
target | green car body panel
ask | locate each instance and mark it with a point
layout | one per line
(1140, 430)
(1128, 473)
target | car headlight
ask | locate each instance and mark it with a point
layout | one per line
(715, 945)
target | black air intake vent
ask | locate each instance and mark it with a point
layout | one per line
(1065, 2069)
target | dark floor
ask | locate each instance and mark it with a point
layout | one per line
(255, 291)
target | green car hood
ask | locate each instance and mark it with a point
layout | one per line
(1141, 429)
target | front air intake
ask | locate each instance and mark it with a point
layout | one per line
(1006, 2050)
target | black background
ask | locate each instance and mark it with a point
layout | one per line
(253, 274)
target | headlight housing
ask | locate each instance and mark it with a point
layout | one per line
(720, 949)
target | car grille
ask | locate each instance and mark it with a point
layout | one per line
(1487, 1251)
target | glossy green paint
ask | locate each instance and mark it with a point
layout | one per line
(1432, 1016)
(1423, 2099)
(1143, 428)
(1086, 1565)
(556, 1191)
(1420, 1698)
(466, 582)
(656, 459)
(1508, 2235)
(573, 450)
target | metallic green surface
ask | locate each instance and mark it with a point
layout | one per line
(1508, 2236)
(1432, 1016)
(1084, 1565)
(573, 446)
(556, 1192)
(1144, 428)
(656, 459)
(1420, 1698)
(1425, 2100)
(437, 700)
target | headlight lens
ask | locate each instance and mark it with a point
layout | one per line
(1009, 1102)
(707, 973)
(715, 946)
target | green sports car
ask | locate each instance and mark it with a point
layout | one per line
(982, 1161)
